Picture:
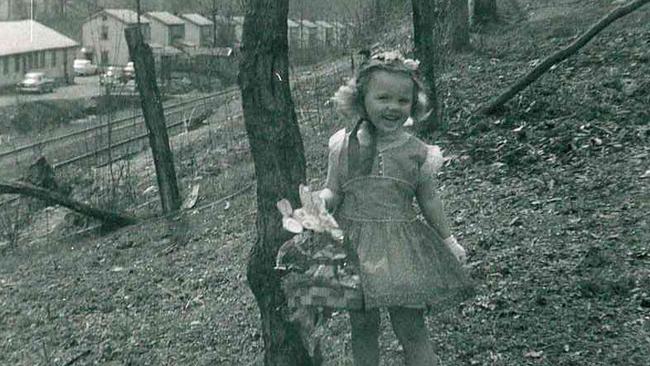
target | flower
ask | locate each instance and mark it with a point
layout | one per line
(312, 215)
(396, 58)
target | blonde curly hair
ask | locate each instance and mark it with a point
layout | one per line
(349, 98)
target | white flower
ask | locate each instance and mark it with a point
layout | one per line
(312, 215)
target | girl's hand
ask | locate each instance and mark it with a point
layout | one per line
(458, 251)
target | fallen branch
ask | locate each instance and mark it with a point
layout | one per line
(55, 198)
(77, 357)
(496, 104)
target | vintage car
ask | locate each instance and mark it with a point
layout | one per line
(35, 82)
(129, 71)
(84, 67)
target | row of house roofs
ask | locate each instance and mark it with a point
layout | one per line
(168, 34)
(27, 45)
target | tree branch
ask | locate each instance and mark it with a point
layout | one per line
(52, 197)
(498, 102)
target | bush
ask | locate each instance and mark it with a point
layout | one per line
(45, 115)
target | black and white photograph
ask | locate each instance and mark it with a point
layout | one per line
(325, 182)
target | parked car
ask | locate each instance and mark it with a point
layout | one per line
(129, 71)
(113, 75)
(35, 82)
(84, 67)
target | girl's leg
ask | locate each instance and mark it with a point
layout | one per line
(408, 325)
(365, 337)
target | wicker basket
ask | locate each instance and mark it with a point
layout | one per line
(317, 274)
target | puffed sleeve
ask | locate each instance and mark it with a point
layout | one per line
(336, 146)
(431, 166)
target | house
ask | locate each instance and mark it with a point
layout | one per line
(325, 33)
(341, 35)
(239, 28)
(198, 30)
(308, 34)
(293, 33)
(27, 45)
(103, 37)
(166, 28)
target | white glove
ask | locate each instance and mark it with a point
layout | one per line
(457, 250)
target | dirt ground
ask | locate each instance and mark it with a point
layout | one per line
(551, 199)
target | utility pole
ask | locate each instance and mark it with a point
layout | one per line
(214, 23)
(138, 9)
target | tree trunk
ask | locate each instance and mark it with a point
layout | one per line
(459, 25)
(485, 11)
(154, 118)
(497, 103)
(425, 51)
(278, 154)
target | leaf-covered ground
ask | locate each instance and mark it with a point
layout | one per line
(551, 199)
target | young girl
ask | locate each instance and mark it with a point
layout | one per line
(374, 173)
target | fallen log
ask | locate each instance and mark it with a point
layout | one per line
(497, 103)
(55, 198)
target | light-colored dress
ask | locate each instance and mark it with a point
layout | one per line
(401, 260)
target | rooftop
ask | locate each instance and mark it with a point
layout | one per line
(307, 23)
(28, 35)
(197, 19)
(324, 24)
(127, 16)
(165, 17)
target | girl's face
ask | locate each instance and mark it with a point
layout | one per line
(388, 100)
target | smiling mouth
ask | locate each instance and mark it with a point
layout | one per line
(392, 118)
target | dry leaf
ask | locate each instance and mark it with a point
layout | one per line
(645, 175)
(191, 199)
(534, 354)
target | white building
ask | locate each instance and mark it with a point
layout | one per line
(293, 33)
(166, 28)
(198, 30)
(326, 35)
(27, 45)
(308, 34)
(341, 34)
(103, 35)
(239, 28)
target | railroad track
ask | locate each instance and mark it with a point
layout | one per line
(115, 140)
(117, 123)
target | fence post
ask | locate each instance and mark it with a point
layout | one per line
(154, 119)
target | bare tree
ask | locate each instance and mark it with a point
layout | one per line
(425, 51)
(278, 155)
(458, 25)
(485, 11)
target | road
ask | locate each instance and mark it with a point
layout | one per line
(83, 87)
